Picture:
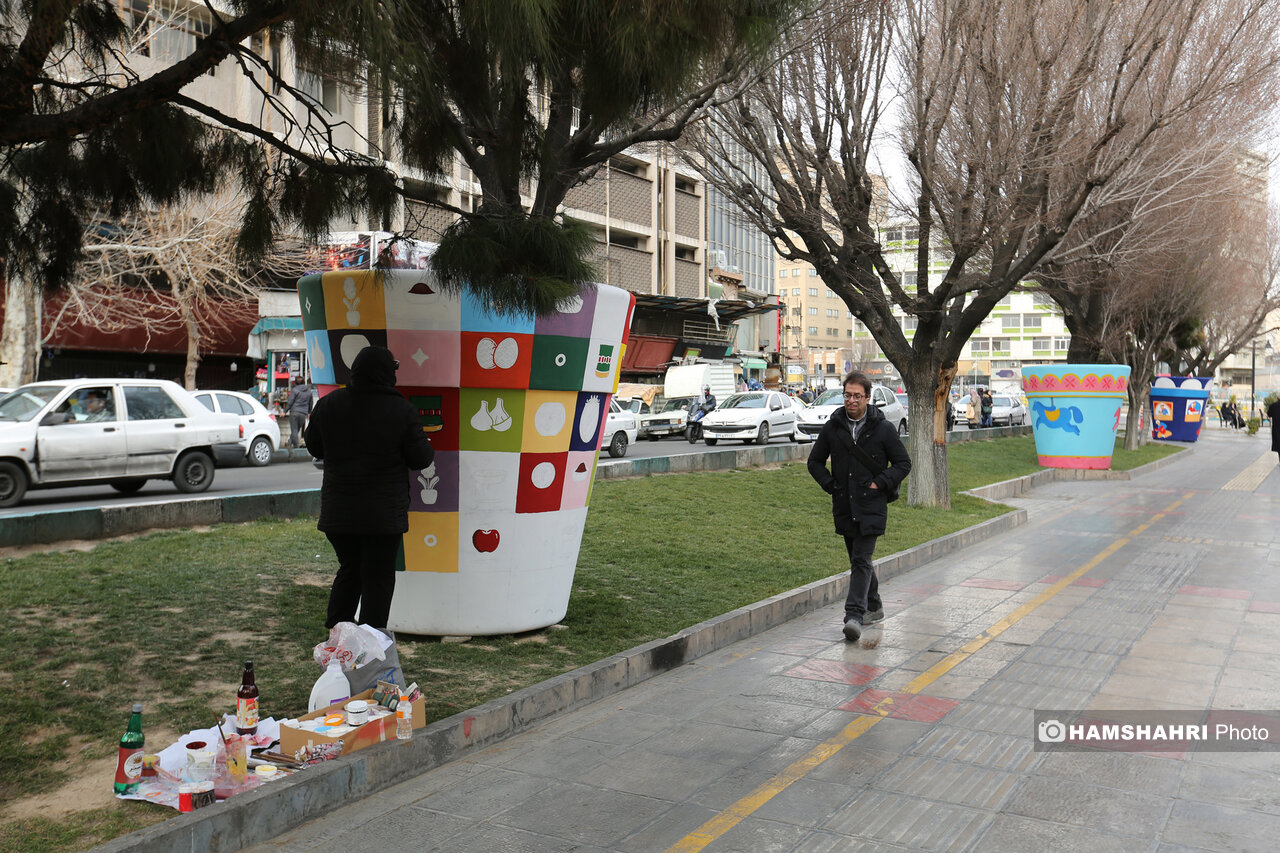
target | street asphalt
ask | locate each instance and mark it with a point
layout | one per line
(1152, 596)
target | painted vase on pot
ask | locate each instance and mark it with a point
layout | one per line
(1075, 412)
(1177, 406)
(515, 409)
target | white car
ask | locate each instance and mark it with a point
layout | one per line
(751, 416)
(120, 432)
(619, 430)
(261, 436)
(1007, 410)
(819, 411)
(668, 418)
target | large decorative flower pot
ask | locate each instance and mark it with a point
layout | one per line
(515, 409)
(1177, 407)
(1075, 412)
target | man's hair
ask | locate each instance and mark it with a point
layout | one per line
(96, 394)
(857, 378)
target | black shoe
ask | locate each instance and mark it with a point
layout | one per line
(852, 630)
(873, 616)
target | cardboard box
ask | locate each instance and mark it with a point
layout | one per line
(374, 731)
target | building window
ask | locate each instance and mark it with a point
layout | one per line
(795, 291)
(831, 294)
(795, 312)
(911, 232)
(1031, 322)
(831, 312)
(1000, 345)
(909, 279)
(813, 330)
(1061, 343)
(848, 315)
(910, 324)
(979, 345)
(783, 273)
(1041, 344)
(1011, 323)
(813, 273)
(813, 291)
(1043, 300)
(813, 311)
(686, 253)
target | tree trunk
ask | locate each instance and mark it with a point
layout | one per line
(1134, 435)
(20, 337)
(927, 392)
(193, 348)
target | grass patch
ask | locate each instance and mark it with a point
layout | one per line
(169, 618)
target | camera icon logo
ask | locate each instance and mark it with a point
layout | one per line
(1051, 731)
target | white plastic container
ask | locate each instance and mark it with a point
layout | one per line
(330, 688)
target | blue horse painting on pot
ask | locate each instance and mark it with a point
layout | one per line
(1053, 417)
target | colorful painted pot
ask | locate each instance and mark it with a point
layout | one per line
(515, 409)
(1177, 406)
(1075, 412)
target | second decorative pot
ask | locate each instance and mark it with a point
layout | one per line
(1075, 412)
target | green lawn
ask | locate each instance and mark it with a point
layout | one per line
(169, 618)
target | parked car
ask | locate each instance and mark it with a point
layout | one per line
(819, 412)
(669, 417)
(751, 416)
(1007, 410)
(951, 409)
(120, 432)
(620, 430)
(261, 432)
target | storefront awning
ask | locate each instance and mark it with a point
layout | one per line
(754, 364)
(276, 324)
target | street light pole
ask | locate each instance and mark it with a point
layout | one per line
(1253, 376)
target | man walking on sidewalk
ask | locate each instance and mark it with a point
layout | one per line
(868, 463)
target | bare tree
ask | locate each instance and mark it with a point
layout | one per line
(1013, 115)
(174, 267)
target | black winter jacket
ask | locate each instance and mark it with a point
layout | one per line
(857, 508)
(369, 437)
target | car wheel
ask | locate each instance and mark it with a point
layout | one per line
(260, 451)
(902, 429)
(13, 484)
(618, 447)
(194, 472)
(711, 442)
(128, 487)
(762, 434)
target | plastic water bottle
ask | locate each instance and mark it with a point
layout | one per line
(330, 687)
(404, 719)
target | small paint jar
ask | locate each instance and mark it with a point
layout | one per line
(357, 712)
(265, 771)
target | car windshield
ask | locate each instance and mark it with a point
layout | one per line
(902, 398)
(676, 404)
(745, 401)
(830, 397)
(1001, 401)
(24, 403)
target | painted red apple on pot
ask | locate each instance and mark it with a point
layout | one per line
(485, 541)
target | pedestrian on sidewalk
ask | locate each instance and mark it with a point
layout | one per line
(370, 438)
(298, 407)
(868, 464)
(988, 406)
(1273, 412)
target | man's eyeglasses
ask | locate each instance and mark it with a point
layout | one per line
(855, 396)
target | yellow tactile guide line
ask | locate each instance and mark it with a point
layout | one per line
(732, 816)
(1250, 478)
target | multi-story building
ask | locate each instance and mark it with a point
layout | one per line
(816, 341)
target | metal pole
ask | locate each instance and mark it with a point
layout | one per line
(1253, 376)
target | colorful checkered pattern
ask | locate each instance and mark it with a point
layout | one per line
(515, 409)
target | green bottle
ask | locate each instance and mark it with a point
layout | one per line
(129, 764)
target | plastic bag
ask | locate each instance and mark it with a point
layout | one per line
(353, 645)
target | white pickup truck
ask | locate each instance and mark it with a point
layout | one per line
(121, 432)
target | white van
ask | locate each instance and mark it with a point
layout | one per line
(688, 380)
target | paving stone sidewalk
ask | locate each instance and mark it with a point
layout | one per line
(1157, 594)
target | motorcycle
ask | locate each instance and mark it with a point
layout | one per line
(693, 427)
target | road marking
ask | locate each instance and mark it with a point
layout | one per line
(1250, 478)
(797, 770)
